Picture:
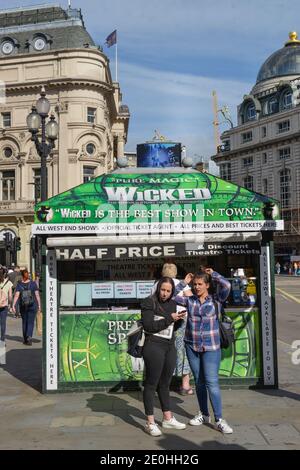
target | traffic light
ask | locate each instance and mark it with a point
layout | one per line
(8, 240)
(18, 243)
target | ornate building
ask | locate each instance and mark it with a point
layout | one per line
(262, 153)
(50, 46)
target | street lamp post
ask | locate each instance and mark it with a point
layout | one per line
(35, 120)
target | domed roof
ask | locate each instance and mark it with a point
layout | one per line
(285, 61)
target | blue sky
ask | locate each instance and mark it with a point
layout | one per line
(173, 53)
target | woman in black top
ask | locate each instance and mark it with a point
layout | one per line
(160, 319)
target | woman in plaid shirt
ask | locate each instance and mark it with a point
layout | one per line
(202, 342)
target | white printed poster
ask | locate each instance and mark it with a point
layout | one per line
(103, 290)
(143, 289)
(125, 290)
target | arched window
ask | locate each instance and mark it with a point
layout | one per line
(273, 105)
(250, 112)
(287, 99)
(248, 182)
(285, 188)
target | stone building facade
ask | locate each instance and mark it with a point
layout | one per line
(262, 153)
(49, 46)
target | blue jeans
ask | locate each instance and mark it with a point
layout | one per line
(205, 368)
(3, 316)
(28, 317)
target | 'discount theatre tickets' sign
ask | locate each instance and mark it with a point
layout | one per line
(158, 203)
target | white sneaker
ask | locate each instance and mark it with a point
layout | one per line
(200, 419)
(153, 429)
(223, 427)
(173, 424)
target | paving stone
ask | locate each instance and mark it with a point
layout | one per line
(103, 420)
(280, 434)
(246, 435)
(62, 421)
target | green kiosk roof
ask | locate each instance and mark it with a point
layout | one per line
(138, 201)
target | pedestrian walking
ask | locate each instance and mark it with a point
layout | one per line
(278, 267)
(28, 294)
(160, 320)
(295, 268)
(5, 300)
(15, 277)
(202, 340)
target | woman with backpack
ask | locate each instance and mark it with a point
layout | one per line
(29, 301)
(5, 300)
(202, 341)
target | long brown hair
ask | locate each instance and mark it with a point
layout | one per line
(2, 275)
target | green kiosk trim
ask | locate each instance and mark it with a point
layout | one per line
(104, 243)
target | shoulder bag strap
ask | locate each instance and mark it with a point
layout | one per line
(4, 284)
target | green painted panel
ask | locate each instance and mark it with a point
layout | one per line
(93, 348)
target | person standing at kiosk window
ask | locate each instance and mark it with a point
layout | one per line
(28, 294)
(160, 320)
(182, 368)
(202, 340)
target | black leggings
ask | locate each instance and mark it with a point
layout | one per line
(160, 361)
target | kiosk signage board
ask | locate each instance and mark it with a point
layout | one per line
(156, 203)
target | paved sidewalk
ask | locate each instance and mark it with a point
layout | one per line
(109, 421)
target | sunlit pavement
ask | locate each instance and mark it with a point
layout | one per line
(261, 419)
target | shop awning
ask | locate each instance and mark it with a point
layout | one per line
(134, 202)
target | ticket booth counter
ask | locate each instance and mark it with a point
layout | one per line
(96, 272)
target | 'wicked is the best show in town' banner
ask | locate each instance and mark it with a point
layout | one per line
(162, 203)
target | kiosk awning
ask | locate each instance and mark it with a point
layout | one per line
(166, 202)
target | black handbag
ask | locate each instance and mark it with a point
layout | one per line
(136, 339)
(226, 327)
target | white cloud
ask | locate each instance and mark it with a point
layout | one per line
(173, 53)
(178, 104)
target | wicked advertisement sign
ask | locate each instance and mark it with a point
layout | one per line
(156, 203)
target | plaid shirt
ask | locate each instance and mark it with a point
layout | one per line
(202, 329)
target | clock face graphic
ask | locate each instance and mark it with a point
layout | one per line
(7, 47)
(39, 44)
(243, 359)
(93, 348)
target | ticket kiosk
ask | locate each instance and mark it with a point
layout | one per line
(104, 244)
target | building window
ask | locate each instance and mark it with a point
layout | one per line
(91, 115)
(225, 146)
(7, 152)
(250, 112)
(265, 186)
(285, 188)
(284, 153)
(287, 99)
(88, 173)
(273, 105)
(8, 185)
(283, 126)
(225, 171)
(264, 158)
(248, 161)
(37, 184)
(248, 182)
(263, 132)
(246, 137)
(6, 119)
(91, 149)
